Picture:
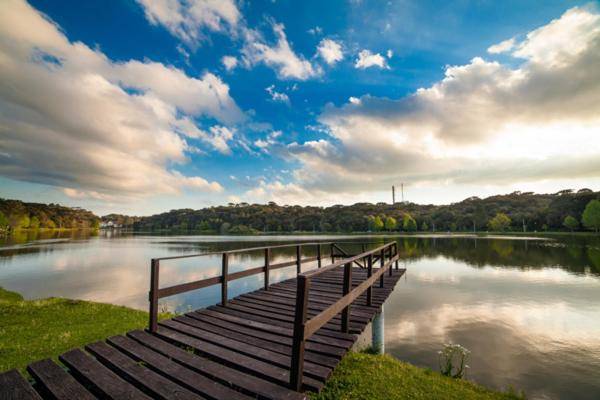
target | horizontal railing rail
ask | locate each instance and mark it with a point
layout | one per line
(156, 293)
(304, 328)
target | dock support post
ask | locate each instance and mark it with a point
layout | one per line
(153, 295)
(377, 332)
(224, 279)
(396, 253)
(267, 265)
(297, 366)
(346, 289)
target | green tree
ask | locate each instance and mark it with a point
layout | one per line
(3, 221)
(34, 222)
(390, 223)
(499, 223)
(377, 224)
(424, 226)
(591, 215)
(570, 223)
(408, 223)
(17, 221)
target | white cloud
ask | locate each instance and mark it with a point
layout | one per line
(485, 123)
(229, 62)
(317, 30)
(187, 19)
(277, 96)
(563, 40)
(502, 47)
(389, 53)
(73, 118)
(280, 56)
(330, 51)
(354, 100)
(366, 59)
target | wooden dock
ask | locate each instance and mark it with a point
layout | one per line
(273, 343)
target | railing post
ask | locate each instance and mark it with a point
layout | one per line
(369, 274)
(298, 261)
(332, 248)
(346, 289)
(267, 265)
(224, 278)
(319, 255)
(381, 264)
(390, 257)
(396, 253)
(297, 367)
(153, 294)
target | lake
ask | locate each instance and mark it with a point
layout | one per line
(527, 308)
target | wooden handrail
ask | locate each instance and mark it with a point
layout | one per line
(157, 293)
(304, 329)
(347, 255)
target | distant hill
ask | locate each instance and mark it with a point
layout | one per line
(16, 214)
(537, 212)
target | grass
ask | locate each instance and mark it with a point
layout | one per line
(31, 330)
(369, 376)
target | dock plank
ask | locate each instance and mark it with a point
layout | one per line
(56, 382)
(14, 387)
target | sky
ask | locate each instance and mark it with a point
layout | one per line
(139, 107)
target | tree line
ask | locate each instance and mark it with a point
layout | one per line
(17, 215)
(518, 211)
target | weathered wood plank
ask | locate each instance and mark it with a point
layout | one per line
(54, 382)
(228, 376)
(14, 387)
(316, 371)
(104, 383)
(183, 376)
(235, 360)
(154, 384)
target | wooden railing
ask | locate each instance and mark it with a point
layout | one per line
(156, 292)
(304, 328)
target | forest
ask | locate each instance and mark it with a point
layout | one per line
(515, 212)
(18, 215)
(518, 211)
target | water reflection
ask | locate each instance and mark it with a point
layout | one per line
(528, 309)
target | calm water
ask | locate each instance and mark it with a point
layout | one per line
(528, 309)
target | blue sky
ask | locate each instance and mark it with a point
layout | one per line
(328, 102)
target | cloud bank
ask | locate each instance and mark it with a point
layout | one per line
(484, 122)
(72, 118)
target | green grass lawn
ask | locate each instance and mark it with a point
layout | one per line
(31, 330)
(368, 376)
